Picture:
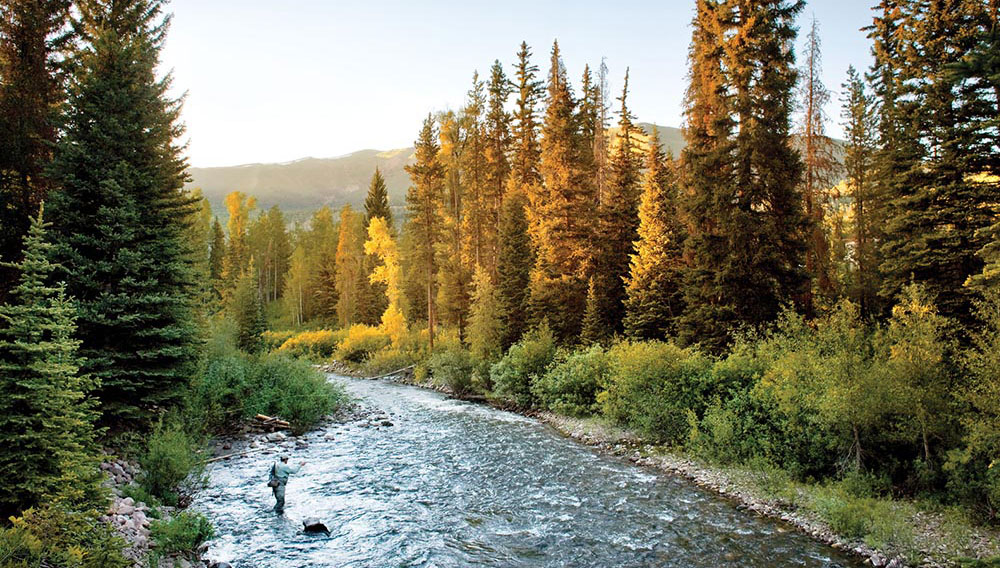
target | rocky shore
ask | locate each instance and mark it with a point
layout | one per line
(736, 485)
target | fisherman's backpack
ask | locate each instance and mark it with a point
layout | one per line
(272, 477)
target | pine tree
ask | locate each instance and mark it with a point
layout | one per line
(514, 264)
(423, 201)
(936, 212)
(558, 212)
(248, 310)
(497, 140)
(819, 169)
(33, 39)
(746, 222)
(653, 288)
(454, 278)
(859, 148)
(618, 223)
(120, 213)
(526, 152)
(377, 200)
(217, 257)
(476, 218)
(46, 409)
(593, 330)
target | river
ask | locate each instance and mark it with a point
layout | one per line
(453, 483)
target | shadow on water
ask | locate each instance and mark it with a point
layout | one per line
(459, 484)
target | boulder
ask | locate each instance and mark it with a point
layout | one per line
(313, 525)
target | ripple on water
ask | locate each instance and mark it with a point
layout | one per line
(459, 484)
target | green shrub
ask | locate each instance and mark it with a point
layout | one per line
(876, 521)
(651, 386)
(714, 436)
(140, 494)
(291, 389)
(361, 342)
(388, 360)
(571, 383)
(183, 533)
(171, 468)
(53, 537)
(513, 375)
(454, 368)
(217, 394)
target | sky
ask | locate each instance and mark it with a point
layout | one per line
(270, 81)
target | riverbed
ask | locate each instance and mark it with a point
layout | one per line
(453, 483)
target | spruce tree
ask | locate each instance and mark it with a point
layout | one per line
(46, 409)
(216, 257)
(653, 288)
(33, 39)
(454, 277)
(557, 213)
(476, 219)
(593, 330)
(936, 211)
(120, 213)
(859, 148)
(497, 140)
(247, 310)
(526, 151)
(742, 201)
(423, 200)
(377, 200)
(618, 222)
(514, 264)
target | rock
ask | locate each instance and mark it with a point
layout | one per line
(221, 565)
(895, 563)
(385, 423)
(125, 508)
(182, 563)
(202, 548)
(276, 436)
(140, 520)
(227, 446)
(313, 525)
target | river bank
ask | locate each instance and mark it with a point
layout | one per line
(932, 539)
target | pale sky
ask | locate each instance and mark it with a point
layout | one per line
(271, 81)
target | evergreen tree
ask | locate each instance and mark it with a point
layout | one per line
(936, 211)
(120, 213)
(558, 212)
(497, 140)
(484, 319)
(476, 219)
(248, 310)
(423, 201)
(593, 330)
(819, 168)
(33, 39)
(654, 299)
(526, 153)
(269, 244)
(618, 222)
(514, 264)
(377, 200)
(320, 242)
(46, 411)
(198, 234)
(217, 256)
(454, 278)
(744, 209)
(859, 148)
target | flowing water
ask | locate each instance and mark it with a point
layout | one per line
(458, 484)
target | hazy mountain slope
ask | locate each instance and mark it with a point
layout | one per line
(307, 184)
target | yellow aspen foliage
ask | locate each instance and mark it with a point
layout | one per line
(381, 244)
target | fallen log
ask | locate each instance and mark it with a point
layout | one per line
(396, 372)
(266, 420)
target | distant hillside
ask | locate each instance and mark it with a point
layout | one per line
(309, 183)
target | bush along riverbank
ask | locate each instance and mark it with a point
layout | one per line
(876, 438)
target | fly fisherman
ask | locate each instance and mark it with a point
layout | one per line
(279, 478)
